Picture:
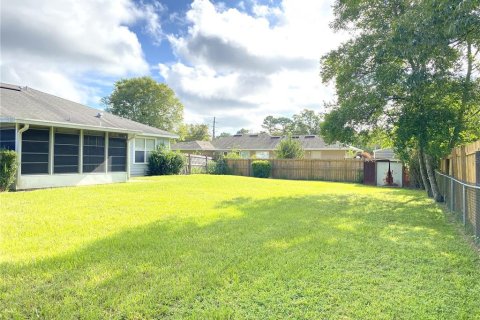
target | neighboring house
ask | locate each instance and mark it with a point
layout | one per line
(195, 147)
(263, 145)
(63, 143)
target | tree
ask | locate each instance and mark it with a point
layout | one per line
(194, 132)
(270, 124)
(403, 73)
(243, 131)
(146, 101)
(307, 122)
(289, 148)
(224, 134)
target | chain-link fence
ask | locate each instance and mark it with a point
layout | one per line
(462, 199)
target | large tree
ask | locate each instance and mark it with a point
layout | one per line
(305, 122)
(194, 132)
(409, 71)
(146, 101)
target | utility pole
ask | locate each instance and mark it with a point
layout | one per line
(213, 136)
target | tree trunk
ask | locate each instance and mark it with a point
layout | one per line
(431, 177)
(423, 174)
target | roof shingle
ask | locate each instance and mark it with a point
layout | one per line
(17, 103)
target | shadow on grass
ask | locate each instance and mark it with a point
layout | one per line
(327, 255)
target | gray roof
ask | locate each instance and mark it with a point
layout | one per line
(193, 145)
(27, 105)
(260, 141)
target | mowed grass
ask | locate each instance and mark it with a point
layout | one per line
(219, 247)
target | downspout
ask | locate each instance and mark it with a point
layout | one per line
(19, 151)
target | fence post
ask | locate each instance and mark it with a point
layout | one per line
(206, 164)
(452, 197)
(189, 164)
(464, 206)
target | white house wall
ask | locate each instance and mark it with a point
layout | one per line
(140, 169)
(63, 180)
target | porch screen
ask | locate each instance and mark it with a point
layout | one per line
(94, 152)
(117, 152)
(66, 152)
(35, 145)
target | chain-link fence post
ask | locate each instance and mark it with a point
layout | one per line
(452, 195)
(464, 206)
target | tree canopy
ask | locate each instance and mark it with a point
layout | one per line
(304, 123)
(194, 132)
(146, 101)
(408, 71)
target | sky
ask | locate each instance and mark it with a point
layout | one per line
(238, 61)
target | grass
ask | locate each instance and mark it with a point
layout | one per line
(219, 247)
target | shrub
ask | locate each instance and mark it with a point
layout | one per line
(218, 167)
(8, 169)
(261, 168)
(290, 149)
(163, 161)
(233, 154)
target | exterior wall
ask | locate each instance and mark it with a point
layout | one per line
(140, 169)
(64, 180)
(325, 154)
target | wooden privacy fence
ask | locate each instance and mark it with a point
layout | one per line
(459, 183)
(343, 170)
(463, 163)
(196, 164)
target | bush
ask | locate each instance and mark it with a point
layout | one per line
(8, 169)
(289, 149)
(233, 154)
(218, 167)
(163, 161)
(261, 168)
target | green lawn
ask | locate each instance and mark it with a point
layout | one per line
(218, 247)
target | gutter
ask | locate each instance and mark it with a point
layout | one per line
(82, 126)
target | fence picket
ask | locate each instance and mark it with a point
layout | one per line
(343, 170)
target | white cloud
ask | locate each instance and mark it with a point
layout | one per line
(242, 67)
(53, 45)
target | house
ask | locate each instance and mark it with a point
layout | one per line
(204, 148)
(263, 145)
(63, 143)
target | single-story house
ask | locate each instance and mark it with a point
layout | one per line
(63, 143)
(263, 145)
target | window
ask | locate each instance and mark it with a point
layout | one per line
(244, 154)
(143, 149)
(94, 152)
(35, 150)
(66, 151)
(7, 138)
(117, 152)
(262, 155)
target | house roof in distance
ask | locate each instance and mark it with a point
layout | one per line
(27, 105)
(193, 145)
(260, 141)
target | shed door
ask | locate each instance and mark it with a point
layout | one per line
(382, 170)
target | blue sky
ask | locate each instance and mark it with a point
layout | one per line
(237, 60)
